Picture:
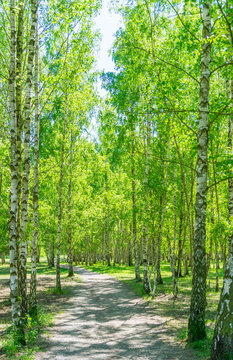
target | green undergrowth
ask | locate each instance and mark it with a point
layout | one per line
(202, 348)
(52, 303)
(11, 347)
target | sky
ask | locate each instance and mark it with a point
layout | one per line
(108, 23)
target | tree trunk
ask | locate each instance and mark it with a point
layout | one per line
(134, 216)
(223, 254)
(185, 191)
(230, 181)
(222, 347)
(58, 277)
(51, 253)
(26, 172)
(19, 56)
(3, 258)
(70, 250)
(173, 257)
(180, 249)
(196, 325)
(107, 240)
(130, 258)
(13, 198)
(209, 255)
(217, 266)
(116, 250)
(33, 300)
(158, 262)
(146, 280)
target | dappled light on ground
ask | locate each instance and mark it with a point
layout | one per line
(105, 320)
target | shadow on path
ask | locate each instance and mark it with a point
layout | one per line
(105, 320)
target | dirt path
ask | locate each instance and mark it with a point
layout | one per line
(105, 320)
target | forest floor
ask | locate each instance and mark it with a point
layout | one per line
(100, 317)
(50, 303)
(106, 320)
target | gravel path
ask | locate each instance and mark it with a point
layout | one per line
(105, 320)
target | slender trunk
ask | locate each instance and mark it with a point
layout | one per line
(217, 266)
(13, 199)
(180, 248)
(222, 347)
(196, 325)
(107, 240)
(146, 279)
(173, 258)
(116, 244)
(185, 191)
(70, 250)
(19, 56)
(223, 255)
(209, 255)
(26, 172)
(192, 217)
(3, 258)
(130, 259)
(33, 301)
(159, 241)
(134, 215)
(186, 264)
(58, 277)
(230, 181)
(51, 253)
(162, 211)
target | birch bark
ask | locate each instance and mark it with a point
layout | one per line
(58, 277)
(222, 347)
(26, 172)
(13, 198)
(196, 325)
(33, 302)
(134, 215)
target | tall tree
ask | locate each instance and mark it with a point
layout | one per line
(196, 325)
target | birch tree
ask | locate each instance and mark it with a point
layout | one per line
(196, 325)
(33, 299)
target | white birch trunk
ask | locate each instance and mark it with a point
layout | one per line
(33, 302)
(196, 326)
(25, 180)
(146, 280)
(13, 206)
(222, 347)
(58, 276)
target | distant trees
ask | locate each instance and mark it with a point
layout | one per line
(33, 70)
(164, 135)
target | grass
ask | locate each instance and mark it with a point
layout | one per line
(177, 311)
(11, 347)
